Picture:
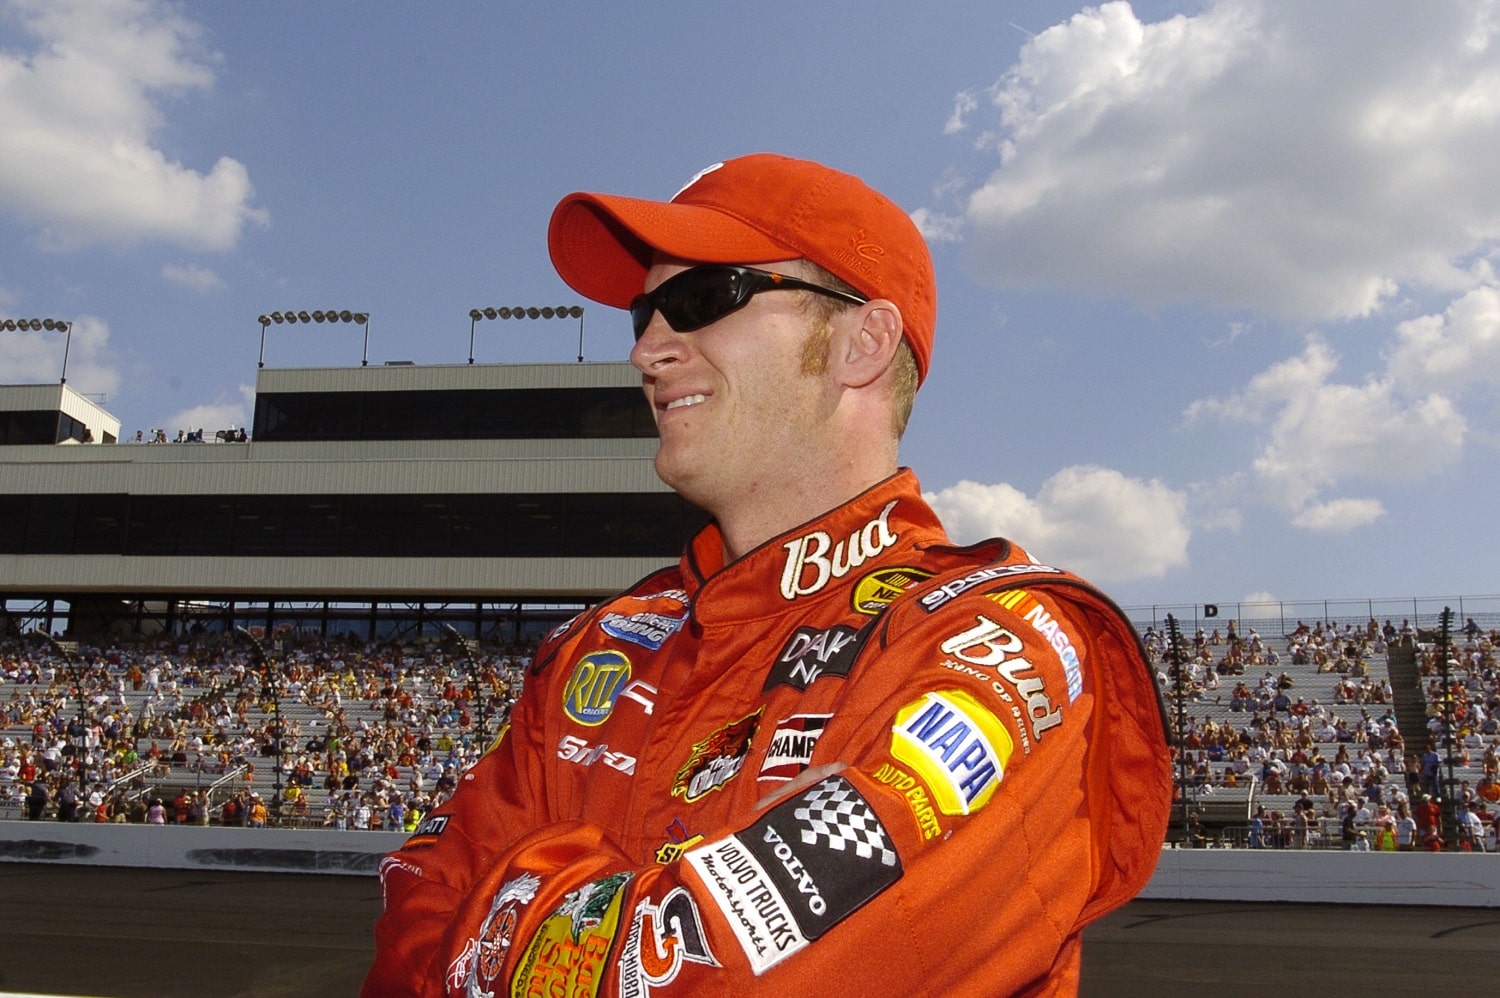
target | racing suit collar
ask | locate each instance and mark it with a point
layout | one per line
(820, 558)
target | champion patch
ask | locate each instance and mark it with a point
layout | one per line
(792, 745)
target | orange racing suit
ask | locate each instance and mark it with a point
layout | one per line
(857, 760)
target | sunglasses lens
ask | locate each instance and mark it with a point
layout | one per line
(692, 299)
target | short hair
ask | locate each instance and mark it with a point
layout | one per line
(905, 376)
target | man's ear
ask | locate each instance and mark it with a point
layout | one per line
(868, 346)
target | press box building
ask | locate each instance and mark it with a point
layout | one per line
(370, 501)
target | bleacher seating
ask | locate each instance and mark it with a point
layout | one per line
(201, 717)
(365, 726)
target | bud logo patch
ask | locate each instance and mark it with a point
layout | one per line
(815, 560)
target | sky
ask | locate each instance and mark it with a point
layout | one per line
(1219, 318)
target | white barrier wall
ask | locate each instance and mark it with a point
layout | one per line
(1323, 876)
(280, 850)
(1314, 876)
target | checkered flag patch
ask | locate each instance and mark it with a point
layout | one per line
(834, 811)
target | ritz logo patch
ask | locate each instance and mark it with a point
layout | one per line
(955, 745)
(792, 745)
(596, 683)
(717, 759)
(806, 865)
(814, 560)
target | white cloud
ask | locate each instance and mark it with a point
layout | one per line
(1317, 433)
(1300, 160)
(1091, 520)
(1451, 351)
(84, 105)
(1339, 515)
(37, 357)
(221, 414)
(193, 276)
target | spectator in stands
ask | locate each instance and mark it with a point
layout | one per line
(1348, 825)
(1470, 829)
(1431, 763)
(156, 814)
(1429, 818)
(1385, 830)
(1406, 829)
(67, 801)
(36, 800)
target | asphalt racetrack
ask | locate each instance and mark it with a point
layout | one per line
(105, 931)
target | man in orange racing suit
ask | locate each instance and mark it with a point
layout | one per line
(827, 751)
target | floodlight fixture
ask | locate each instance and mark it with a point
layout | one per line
(527, 312)
(48, 325)
(318, 315)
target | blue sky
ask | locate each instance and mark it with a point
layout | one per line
(1218, 313)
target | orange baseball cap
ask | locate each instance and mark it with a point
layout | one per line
(755, 209)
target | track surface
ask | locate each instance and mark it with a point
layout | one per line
(129, 932)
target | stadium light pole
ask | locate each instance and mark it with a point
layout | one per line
(469, 645)
(319, 315)
(1451, 805)
(70, 657)
(1176, 655)
(50, 325)
(269, 677)
(548, 312)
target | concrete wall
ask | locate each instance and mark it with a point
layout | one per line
(280, 850)
(1317, 876)
(1322, 876)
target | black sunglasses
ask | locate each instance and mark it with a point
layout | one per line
(700, 295)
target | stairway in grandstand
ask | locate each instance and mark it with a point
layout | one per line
(1409, 698)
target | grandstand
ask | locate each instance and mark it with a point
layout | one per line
(342, 601)
(372, 517)
(1328, 718)
(373, 501)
